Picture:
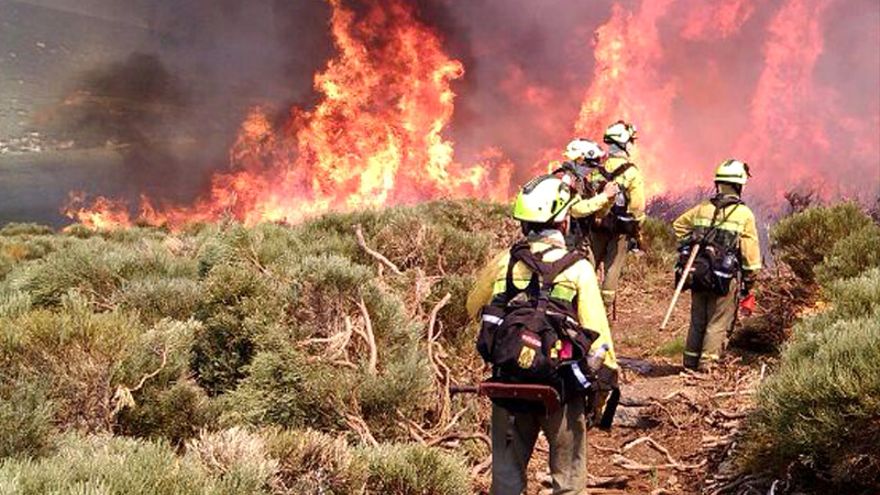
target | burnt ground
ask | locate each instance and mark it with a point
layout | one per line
(676, 430)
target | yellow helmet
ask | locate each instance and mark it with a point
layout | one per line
(732, 172)
(581, 148)
(620, 133)
(544, 199)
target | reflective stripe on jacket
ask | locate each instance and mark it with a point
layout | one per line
(578, 284)
(736, 219)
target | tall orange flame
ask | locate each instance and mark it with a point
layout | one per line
(375, 137)
(703, 81)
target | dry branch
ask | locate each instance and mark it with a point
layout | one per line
(369, 337)
(359, 234)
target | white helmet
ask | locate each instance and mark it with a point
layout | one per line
(620, 133)
(581, 148)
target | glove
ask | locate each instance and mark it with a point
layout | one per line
(747, 305)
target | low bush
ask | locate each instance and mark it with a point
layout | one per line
(414, 469)
(313, 462)
(235, 455)
(26, 428)
(851, 255)
(803, 239)
(285, 388)
(817, 415)
(122, 466)
(155, 298)
(21, 229)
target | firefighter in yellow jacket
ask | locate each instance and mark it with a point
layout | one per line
(542, 208)
(724, 228)
(620, 228)
(583, 157)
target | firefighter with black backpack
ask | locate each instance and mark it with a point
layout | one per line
(543, 322)
(619, 230)
(721, 236)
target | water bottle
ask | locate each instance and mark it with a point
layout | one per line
(596, 359)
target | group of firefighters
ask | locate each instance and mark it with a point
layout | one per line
(579, 223)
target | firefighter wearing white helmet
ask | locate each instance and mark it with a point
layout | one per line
(542, 207)
(619, 230)
(584, 156)
(725, 266)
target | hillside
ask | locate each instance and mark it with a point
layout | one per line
(315, 359)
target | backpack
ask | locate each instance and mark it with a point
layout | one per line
(618, 220)
(529, 337)
(717, 263)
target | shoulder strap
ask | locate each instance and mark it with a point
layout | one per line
(543, 273)
(720, 202)
(610, 176)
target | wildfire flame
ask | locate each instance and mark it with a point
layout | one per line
(379, 133)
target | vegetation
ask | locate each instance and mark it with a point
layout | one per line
(266, 359)
(281, 359)
(803, 240)
(817, 416)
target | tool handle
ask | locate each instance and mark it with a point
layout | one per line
(680, 286)
(463, 389)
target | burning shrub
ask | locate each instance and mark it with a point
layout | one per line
(819, 412)
(804, 239)
(851, 255)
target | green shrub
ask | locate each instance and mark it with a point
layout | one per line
(14, 229)
(121, 466)
(414, 470)
(237, 303)
(658, 236)
(820, 409)
(287, 389)
(804, 239)
(26, 428)
(819, 412)
(856, 296)
(851, 255)
(155, 298)
(235, 455)
(175, 412)
(313, 462)
(97, 268)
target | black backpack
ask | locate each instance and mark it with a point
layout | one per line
(525, 333)
(717, 263)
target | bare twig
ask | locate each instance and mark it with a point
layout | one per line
(359, 234)
(369, 337)
(123, 395)
(359, 426)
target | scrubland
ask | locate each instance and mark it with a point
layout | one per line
(290, 360)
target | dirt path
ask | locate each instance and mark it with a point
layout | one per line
(676, 428)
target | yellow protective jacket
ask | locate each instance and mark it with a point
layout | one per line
(577, 283)
(632, 181)
(736, 219)
(583, 206)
